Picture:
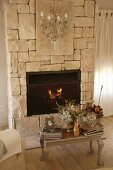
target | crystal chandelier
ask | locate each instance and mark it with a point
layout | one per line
(54, 22)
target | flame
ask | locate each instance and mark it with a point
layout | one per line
(53, 95)
(59, 92)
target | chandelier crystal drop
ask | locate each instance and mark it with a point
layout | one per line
(54, 23)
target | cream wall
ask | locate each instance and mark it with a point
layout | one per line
(3, 77)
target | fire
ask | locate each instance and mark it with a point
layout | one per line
(53, 95)
(59, 92)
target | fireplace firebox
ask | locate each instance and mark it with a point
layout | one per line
(45, 89)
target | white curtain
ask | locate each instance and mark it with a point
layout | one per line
(104, 61)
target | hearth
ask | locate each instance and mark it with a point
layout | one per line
(45, 89)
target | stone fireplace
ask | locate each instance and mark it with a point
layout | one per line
(22, 56)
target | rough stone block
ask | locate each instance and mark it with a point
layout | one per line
(12, 34)
(14, 62)
(45, 57)
(46, 62)
(14, 75)
(23, 105)
(78, 11)
(21, 70)
(27, 26)
(23, 90)
(32, 4)
(78, 2)
(57, 59)
(70, 65)
(19, 106)
(83, 22)
(89, 8)
(23, 81)
(18, 45)
(91, 45)
(32, 56)
(32, 45)
(62, 67)
(12, 17)
(23, 57)
(91, 77)
(77, 55)
(19, 1)
(87, 87)
(68, 57)
(77, 32)
(15, 87)
(87, 60)
(90, 40)
(84, 77)
(53, 67)
(87, 96)
(24, 9)
(80, 43)
(16, 106)
(33, 66)
(88, 32)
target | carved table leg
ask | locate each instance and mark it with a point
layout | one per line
(42, 146)
(91, 147)
(100, 147)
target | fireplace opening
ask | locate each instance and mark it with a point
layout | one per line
(45, 89)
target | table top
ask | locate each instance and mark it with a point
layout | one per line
(70, 138)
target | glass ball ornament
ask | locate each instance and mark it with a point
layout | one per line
(91, 119)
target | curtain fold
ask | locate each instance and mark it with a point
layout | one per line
(104, 61)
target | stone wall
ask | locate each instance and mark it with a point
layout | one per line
(21, 37)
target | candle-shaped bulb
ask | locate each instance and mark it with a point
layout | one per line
(66, 15)
(49, 17)
(58, 17)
